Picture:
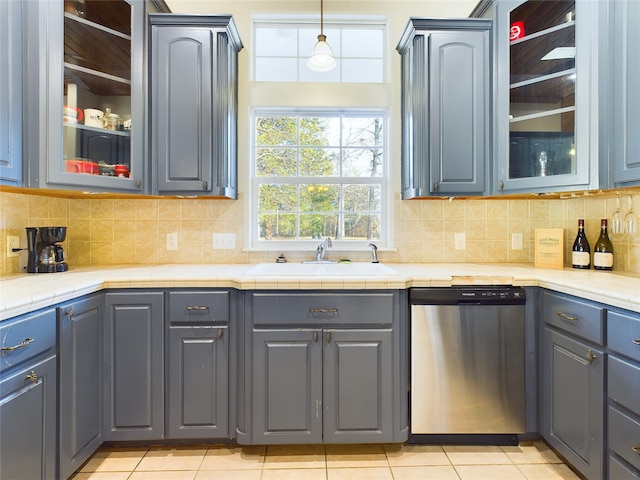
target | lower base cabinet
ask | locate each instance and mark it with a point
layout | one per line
(28, 423)
(28, 397)
(321, 368)
(80, 353)
(134, 366)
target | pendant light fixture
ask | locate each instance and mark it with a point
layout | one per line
(321, 60)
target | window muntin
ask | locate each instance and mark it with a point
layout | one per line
(319, 175)
(283, 47)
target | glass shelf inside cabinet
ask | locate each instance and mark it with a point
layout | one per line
(542, 89)
(97, 87)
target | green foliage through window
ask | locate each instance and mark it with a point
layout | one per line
(319, 175)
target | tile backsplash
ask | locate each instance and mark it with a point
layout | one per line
(133, 231)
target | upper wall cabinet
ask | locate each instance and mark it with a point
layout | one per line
(193, 65)
(625, 140)
(86, 95)
(546, 131)
(11, 58)
(445, 106)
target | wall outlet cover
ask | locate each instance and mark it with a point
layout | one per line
(172, 241)
(13, 241)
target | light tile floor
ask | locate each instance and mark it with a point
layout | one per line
(530, 461)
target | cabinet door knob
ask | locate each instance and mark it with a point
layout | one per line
(33, 376)
(590, 356)
(315, 336)
(220, 333)
(70, 313)
(636, 450)
(22, 344)
(328, 337)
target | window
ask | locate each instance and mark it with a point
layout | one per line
(319, 174)
(283, 47)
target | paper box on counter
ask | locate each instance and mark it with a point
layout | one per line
(549, 248)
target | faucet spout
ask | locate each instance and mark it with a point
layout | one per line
(374, 253)
(322, 249)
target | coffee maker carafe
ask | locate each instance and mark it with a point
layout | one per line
(45, 255)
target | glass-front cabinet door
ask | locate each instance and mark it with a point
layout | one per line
(543, 104)
(95, 101)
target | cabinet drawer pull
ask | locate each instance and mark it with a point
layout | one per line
(198, 308)
(324, 310)
(636, 450)
(33, 376)
(636, 341)
(566, 316)
(22, 344)
(590, 356)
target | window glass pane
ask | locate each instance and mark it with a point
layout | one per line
(362, 71)
(317, 226)
(362, 162)
(276, 162)
(276, 42)
(276, 131)
(319, 198)
(362, 43)
(362, 227)
(277, 226)
(365, 198)
(362, 131)
(271, 69)
(316, 162)
(310, 76)
(273, 198)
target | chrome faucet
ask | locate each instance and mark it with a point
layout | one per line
(374, 253)
(322, 249)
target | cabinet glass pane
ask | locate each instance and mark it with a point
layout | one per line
(97, 87)
(542, 89)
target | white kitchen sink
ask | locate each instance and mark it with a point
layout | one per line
(315, 269)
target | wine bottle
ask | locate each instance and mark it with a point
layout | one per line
(603, 250)
(581, 252)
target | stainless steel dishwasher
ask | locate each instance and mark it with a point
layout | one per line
(467, 360)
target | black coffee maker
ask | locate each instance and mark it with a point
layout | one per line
(45, 255)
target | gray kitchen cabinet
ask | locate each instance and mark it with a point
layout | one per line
(193, 91)
(80, 354)
(446, 87)
(323, 368)
(79, 56)
(198, 362)
(549, 75)
(11, 58)
(623, 384)
(28, 390)
(572, 382)
(134, 365)
(625, 141)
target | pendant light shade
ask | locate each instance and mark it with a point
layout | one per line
(321, 59)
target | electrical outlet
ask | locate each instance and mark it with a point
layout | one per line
(516, 241)
(172, 241)
(13, 241)
(460, 241)
(223, 241)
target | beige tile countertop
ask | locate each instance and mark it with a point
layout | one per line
(24, 293)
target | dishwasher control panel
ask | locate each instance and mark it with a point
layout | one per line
(457, 295)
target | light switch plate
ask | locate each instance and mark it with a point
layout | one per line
(516, 241)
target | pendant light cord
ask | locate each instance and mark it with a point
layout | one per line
(321, 17)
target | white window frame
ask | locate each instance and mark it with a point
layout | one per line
(384, 181)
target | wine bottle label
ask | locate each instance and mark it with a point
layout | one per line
(580, 258)
(602, 259)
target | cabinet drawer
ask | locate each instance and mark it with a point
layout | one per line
(618, 471)
(323, 308)
(573, 315)
(623, 333)
(624, 383)
(198, 307)
(624, 436)
(27, 336)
